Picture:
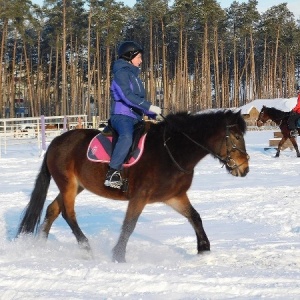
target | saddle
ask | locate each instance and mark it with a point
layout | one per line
(102, 145)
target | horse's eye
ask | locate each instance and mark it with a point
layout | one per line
(237, 136)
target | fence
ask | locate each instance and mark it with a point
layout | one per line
(41, 130)
(16, 131)
(252, 125)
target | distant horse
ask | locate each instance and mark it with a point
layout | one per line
(164, 173)
(52, 126)
(281, 119)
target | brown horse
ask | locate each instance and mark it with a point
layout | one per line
(280, 118)
(164, 173)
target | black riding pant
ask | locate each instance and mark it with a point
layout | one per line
(293, 120)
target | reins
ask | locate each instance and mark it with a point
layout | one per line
(170, 153)
(172, 157)
(227, 160)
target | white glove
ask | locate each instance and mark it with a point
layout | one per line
(159, 118)
(155, 109)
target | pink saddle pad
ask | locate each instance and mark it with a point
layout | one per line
(100, 149)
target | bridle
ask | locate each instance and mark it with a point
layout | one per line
(230, 147)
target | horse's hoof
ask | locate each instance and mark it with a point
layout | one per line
(118, 256)
(87, 255)
(85, 246)
(116, 259)
(203, 246)
(203, 251)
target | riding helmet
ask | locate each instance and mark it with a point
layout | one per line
(129, 50)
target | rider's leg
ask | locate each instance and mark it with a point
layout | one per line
(124, 125)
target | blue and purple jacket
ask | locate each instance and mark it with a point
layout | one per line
(128, 92)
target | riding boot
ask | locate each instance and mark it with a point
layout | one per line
(294, 133)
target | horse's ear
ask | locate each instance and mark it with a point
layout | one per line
(237, 112)
(239, 119)
(232, 115)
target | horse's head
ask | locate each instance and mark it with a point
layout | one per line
(263, 117)
(217, 132)
(233, 149)
(227, 143)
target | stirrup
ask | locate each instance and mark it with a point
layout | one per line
(114, 184)
(113, 179)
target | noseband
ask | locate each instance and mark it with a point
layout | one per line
(230, 147)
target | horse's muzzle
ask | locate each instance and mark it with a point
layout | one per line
(245, 172)
(239, 169)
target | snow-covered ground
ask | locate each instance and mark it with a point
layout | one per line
(253, 224)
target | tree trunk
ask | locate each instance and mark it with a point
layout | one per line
(2, 50)
(33, 104)
(63, 62)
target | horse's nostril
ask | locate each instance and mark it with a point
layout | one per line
(246, 171)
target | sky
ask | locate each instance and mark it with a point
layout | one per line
(263, 5)
(253, 224)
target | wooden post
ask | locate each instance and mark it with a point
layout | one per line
(65, 124)
(43, 131)
(79, 125)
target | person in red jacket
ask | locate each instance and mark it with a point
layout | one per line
(294, 116)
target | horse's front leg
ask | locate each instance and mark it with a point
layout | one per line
(183, 206)
(282, 141)
(134, 209)
(294, 142)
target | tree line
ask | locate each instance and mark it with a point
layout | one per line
(57, 58)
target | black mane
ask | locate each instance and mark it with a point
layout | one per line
(274, 113)
(206, 121)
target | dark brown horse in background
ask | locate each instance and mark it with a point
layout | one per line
(163, 174)
(280, 118)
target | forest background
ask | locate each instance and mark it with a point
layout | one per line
(57, 57)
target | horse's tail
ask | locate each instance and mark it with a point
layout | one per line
(33, 211)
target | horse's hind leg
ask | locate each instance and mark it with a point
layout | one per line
(68, 213)
(52, 212)
(64, 203)
(294, 142)
(134, 210)
(183, 206)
